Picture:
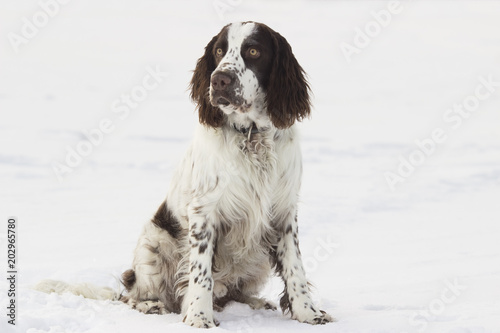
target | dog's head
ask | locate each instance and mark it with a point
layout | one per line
(249, 69)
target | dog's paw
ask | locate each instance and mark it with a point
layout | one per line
(200, 320)
(312, 316)
(260, 303)
(149, 307)
(220, 290)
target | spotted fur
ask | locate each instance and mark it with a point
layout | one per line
(230, 216)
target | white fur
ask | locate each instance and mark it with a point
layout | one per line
(229, 179)
(86, 290)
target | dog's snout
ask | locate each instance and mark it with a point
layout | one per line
(220, 81)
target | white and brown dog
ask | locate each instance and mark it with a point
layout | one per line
(230, 216)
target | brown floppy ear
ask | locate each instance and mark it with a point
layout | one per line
(200, 84)
(287, 95)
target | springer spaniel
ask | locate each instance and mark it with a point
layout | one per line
(230, 216)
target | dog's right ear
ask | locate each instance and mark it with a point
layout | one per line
(200, 85)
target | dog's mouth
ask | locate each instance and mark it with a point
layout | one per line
(230, 103)
(223, 101)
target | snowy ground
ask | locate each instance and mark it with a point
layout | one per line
(420, 256)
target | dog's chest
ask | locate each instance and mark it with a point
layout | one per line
(247, 183)
(241, 255)
(245, 208)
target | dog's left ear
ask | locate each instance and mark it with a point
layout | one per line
(287, 95)
(200, 84)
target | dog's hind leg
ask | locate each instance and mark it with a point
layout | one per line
(151, 282)
(136, 294)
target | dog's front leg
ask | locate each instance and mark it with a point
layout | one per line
(296, 296)
(197, 303)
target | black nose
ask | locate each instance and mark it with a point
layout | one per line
(221, 81)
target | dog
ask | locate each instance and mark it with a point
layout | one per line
(229, 219)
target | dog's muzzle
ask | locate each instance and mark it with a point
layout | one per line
(223, 92)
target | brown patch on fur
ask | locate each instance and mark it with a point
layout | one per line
(165, 220)
(200, 83)
(287, 95)
(128, 280)
(285, 304)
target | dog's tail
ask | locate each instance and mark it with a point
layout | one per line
(86, 290)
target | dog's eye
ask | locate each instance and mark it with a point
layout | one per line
(253, 53)
(219, 52)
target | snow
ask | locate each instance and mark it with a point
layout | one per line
(420, 257)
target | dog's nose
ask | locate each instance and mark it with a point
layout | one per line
(221, 81)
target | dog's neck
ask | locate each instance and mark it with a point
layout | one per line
(252, 129)
(257, 143)
(249, 123)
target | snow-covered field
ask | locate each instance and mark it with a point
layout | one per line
(399, 215)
